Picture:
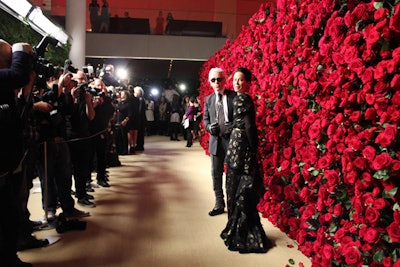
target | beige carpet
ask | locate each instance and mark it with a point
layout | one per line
(155, 214)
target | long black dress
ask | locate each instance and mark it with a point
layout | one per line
(244, 232)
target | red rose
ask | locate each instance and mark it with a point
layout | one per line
(394, 23)
(287, 152)
(396, 98)
(325, 161)
(360, 163)
(357, 66)
(327, 252)
(381, 88)
(350, 177)
(332, 177)
(382, 161)
(380, 14)
(354, 143)
(394, 232)
(370, 114)
(371, 236)
(352, 255)
(380, 203)
(367, 76)
(372, 216)
(369, 153)
(387, 262)
(395, 84)
(384, 139)
(371, 35)
(355, 116)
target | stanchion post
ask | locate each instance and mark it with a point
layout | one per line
(45, 196)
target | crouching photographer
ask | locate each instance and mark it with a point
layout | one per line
(15, 70)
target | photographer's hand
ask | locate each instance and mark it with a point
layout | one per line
(42, 106)
(24, 47)
(89, 106)
(65, 83)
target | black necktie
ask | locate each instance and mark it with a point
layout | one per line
(220, 115)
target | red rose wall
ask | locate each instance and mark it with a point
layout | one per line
(327, 91)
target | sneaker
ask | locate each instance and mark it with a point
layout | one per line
(86, 202)
(75, 213)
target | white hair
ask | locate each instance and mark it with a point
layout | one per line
(215, 70)
(138, 89)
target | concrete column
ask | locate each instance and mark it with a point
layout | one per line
(75, 24)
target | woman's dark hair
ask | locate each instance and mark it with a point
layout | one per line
(246, 72)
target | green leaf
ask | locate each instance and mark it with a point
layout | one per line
(396, 205)
(381, 174)
(379, 255)
(378, 5)
(389, 194)
(314, 172)
(333, 228)
(291, 261)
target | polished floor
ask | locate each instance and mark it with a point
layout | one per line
(155, 214)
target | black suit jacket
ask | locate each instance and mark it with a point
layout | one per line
(210, 117)
(11, 79)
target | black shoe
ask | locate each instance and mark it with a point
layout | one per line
(75, 213)
(18, 263)
(103, 183)
(132, 150)
(86, 202)
(51, 215)
(89, 189)
(87, 196)
(31, 243)
(215, 211)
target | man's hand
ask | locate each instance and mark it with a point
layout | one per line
(42, 106)
(25, 47)
(213, 128)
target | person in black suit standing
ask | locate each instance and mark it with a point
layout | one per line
(15, 72)
(218, 117)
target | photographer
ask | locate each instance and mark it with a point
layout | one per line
(104, 111)
(78, 134)
(51, 110)
(15, 69)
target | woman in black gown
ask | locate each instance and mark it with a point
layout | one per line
(244, 186)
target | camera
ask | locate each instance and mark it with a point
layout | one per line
(84, 87)
(51, 97)
(43, 68)
(68, 67)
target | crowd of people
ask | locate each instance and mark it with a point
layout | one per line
(65, 129)
(73, 124)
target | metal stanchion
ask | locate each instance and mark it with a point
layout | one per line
(45, 195)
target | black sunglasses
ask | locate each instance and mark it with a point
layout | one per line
(216, 79)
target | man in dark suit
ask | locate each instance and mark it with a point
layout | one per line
(218, 117)
(15, 71)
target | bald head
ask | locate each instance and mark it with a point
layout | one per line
(5, 54)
